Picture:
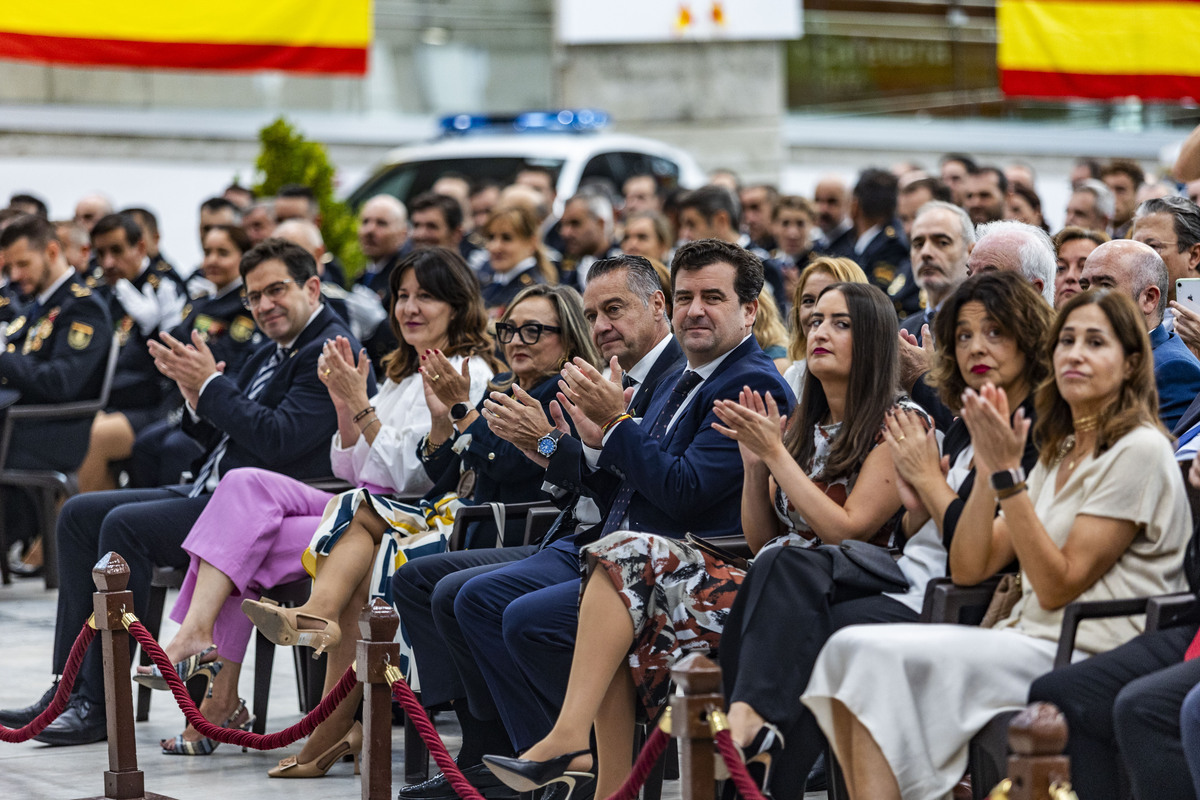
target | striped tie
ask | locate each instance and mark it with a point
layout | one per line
(264, 375)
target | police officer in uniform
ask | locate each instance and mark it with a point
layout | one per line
(53, 352)
(880, 247)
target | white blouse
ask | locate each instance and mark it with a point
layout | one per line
(391, 462)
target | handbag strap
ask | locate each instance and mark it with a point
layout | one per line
(499, 514)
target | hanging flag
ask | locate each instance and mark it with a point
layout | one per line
(313, 36)
(1099, 49)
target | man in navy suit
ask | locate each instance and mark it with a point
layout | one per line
(671, 474)
(276, 414)
(1135, 269)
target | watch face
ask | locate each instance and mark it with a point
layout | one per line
(459, 411)
(546, 446)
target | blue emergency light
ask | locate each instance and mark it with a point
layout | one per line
(567, 120)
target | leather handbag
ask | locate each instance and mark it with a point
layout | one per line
(865, 567)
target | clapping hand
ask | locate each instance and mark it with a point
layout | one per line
(997, 436)
(188, 365)
(600, 400)
(914, 455)
(345, 380)
(915, 356)
(518, 419)
(754, 422)
(450, 385)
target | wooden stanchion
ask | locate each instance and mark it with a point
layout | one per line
(699, 680)
(378, 659)
(123, 780)
(1037, 769)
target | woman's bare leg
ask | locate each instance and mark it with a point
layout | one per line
(111, 440)
(614, 732)
(868, 774)
(346, 567)
(212, 589)
(744, 723)
(599, 655)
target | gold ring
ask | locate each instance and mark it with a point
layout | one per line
(434, 377)
(327, 372)
(901, 438)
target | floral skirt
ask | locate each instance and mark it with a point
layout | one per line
(677, 596)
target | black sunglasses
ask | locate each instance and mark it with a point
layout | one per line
(530, 332)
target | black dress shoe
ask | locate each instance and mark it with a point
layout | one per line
(438, 787)
(81, 723)
(526, 775)
(20, 717)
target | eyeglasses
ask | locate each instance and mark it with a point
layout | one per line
(530, 331)
(1161, 247)
(274, 293)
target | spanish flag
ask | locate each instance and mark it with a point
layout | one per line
(310, 36)
(1099, 48)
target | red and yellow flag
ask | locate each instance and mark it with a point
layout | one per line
(315, 36)
(1099, 48)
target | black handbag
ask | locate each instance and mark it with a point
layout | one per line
(865, 567)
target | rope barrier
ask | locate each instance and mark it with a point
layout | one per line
(403, 694)
(652, 750)
(61, 696)
(746, 787)
(256, 741)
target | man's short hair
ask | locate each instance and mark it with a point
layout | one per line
(299, 190)
(708, 200)
(1106, 204)
(747, 283)
(1001, 178)
(1036, 253)
(452, 213)
(299, 262)
(964, 219)
(237, 187)
(1185, 217)
(144, 217)
(111, 222)
(936, 189)
(794, 202)
(484, 184)
(1125, 166)
(962, 158)
(598, 205)
(640, 277)
(539, 170)
(216, 204)
(1150, 270)
(1094, 167)
(38, 231)
(876, 193)
(31, 200)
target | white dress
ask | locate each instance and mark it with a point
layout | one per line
(924, 690)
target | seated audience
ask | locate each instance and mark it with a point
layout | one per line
(1072, 246)
(1103, 516)
(1016, 247)
(793, 222)
(648, 234)
(820, 273)
(770, 331)
(1024, 205)
(516, 259)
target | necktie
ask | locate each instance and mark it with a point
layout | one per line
(1188, 435)
(261, 378)
(627, 381)
(688, 381)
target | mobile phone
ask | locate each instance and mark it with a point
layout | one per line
(1187, 294)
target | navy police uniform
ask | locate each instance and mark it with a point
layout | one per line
(138, 384)
(888, 265)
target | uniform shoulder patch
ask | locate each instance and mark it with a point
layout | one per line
(81, 291)
(241, 329)
(79, 336)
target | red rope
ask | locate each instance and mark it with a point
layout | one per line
(746, 787)
(652, 751)
(402, 694)
(61, 696)
(269, 741)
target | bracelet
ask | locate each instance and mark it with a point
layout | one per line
(361, 426)
(430, 448)
(614, 421)
(1010, 492)
(366, 427)
(363, 413)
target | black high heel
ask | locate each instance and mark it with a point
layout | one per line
(523, 775)
(764, 748)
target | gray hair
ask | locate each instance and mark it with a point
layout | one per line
(303, 229)
(598, 206)
(1036, 251)
(1106, 204)
(964, 219)
(1149, 269)
(1184, 214)
(640, 275)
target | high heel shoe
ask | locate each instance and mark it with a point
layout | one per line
(240, 719)
(348, 745)
(281, 626)
(194, 665)
(523, 775)
(763, 750)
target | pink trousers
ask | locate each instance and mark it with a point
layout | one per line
(254, 530)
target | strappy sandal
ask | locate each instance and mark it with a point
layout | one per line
(191, 667)
(240, 719)
(280, 625)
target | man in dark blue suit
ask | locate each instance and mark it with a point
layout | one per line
(672, 474)
(1137, 270)
(276, 414)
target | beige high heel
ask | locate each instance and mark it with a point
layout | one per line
(348, 745)
(280, 626)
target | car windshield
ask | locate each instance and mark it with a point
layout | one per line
(406, 181)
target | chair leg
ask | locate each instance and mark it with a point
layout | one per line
(5, 577)
(264, 661)
(416, 756)
(153, 623)
(49, 513)
(654, 781)
(835, 780)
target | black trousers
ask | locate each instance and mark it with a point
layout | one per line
(1122, 708)
(787, 608)
(146, 527)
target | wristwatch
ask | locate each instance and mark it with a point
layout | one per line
(548, 444)
(459, 411)
(1007, 479)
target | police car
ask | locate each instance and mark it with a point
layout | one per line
(572, 144)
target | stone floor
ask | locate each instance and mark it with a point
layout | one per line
(38, 772)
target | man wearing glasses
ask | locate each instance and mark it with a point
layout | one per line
(275, 414)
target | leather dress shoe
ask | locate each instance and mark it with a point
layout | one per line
(439, 788)
(20, 717)
(583, 790)
(81, 723)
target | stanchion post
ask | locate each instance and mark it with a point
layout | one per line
(1037, 737)
(111, 603)
(378, 666)
(699, 680)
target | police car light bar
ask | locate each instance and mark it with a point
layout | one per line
(566, 120)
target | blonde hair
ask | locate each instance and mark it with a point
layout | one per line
(843, 270)
(769, 329)
(524, 224)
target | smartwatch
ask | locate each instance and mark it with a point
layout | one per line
(459, 411)
(1007, 479)
(548, 444)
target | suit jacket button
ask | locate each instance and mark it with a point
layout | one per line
(491, 456)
